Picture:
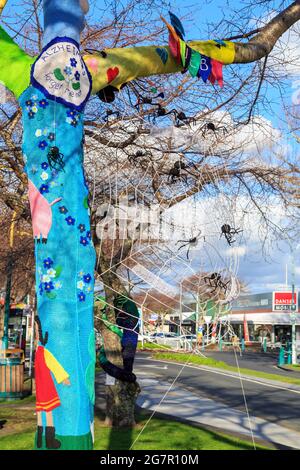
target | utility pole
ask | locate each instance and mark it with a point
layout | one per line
(8, 282)
(293, 315)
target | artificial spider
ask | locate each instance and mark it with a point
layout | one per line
(210, 126)
(55, 159)
(182, 119)
(110, 112)
(191, 243)
(228, 233)
(148, 100)
(139, 154)
(215, 281)
(175, 172)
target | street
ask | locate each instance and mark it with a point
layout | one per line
(275, 404)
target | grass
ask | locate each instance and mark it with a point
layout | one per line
(152, 346)
(203, 361)
(159, 434)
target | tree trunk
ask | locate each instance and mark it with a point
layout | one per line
(121, 396)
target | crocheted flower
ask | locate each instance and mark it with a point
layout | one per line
(48, 262)
(71, 113)
(70, 220)
(31, 115)
(77, 75)
(87, 278)
(48, 286)
(81, 227)
(80, 285)
(51, 136)
(84, 241)
(46, 278)
(44, 165)
(34, 109)
(51, 272)
(44, 189)
(44, 176)
(41, 290)
(38, 132)
(58, 285)
(63, 210)
(43, 144)
(88, 235)
(81, 296)
(43, 103)
(73, 62)
(68, 70)
(74, 123)
(29, 103)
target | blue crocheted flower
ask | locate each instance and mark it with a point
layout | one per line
(77, 75)
(73, 62)
(68, 70)
(87, 278)
(44, 189)
(41, 290)
(84, 241)
(81, 227)
(48, 286)
(48, 262)
(29, 103)
(63, 210)
(70, 220)
(43, 144)
(74, 123)
(81, 296)
(71, 113)
(88, 235)
(43, 103)
(44, 165)
(51, 136)
(31, 114)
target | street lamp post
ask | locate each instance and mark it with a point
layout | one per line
(293, 316)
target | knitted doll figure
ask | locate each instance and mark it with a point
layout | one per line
(47, 398)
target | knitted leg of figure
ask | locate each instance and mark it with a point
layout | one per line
(51, 442)
(39, 438)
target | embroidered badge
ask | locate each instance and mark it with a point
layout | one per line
(61, 74)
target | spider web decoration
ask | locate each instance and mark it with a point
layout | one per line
(139, 218)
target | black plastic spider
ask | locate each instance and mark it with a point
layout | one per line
(175, 172)
(182, 119)
(215, 281)
(210, 126)
(148, 100)
(133, 158)
(191, 243)
(228, 233)
(55, 159)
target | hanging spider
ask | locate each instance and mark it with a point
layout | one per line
(55, 159)
(191, 243)
(215, 281)
(182, 119)
(210, 126)
(133, 158)
(110, 112)
(148, 100)
(175, 172)
(228, 233)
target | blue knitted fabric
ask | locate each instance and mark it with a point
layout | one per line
(64, 252)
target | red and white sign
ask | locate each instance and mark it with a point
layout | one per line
(282, 301)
